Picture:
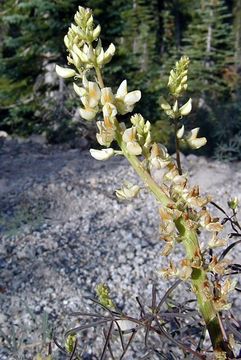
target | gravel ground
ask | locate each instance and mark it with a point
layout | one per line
(63, 231)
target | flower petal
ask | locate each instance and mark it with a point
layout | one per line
(132, 97)
(87, 114)
(106, 95)
(79, 90)
(64, 72)
(103, 154)
(180, 132)
(94, 90)
(197, 143)
(110, 51)
(129, 135)
(134, 148)
(109, 110)
(186, 108)
(96, 32)
(122, 89)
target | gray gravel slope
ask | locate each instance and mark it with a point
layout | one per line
(63, 231)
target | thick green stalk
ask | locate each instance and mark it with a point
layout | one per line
(199, 277)
(200, 282)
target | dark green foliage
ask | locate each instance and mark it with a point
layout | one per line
(209, 42)
(228, 133)
(32, 41)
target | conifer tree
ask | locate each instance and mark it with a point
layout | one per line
(237, 32)
(31, 40)
(208, 42)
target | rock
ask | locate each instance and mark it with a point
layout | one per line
(38, 139)
(3, 134)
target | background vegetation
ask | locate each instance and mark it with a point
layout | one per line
(149, 35)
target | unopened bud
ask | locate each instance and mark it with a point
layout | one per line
(233, 203)
(65, 72)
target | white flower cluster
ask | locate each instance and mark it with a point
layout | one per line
(79, 43)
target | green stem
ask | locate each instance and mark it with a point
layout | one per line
(177, 149)
(200, 283)
(99, 77)
(199, 277)
(143, 174)
(190, 241)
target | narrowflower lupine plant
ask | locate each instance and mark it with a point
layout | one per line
(183, 210)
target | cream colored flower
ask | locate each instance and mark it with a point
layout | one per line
(88, 113)
(159, 156)
(180, 132)
(193, 141)
(186, 108)
(103, 154)
(107, 96)
(90, 97)
(129, 137)
(109, 53)
(65, 72)
(109, 113)
(106, 132)
(125, 101)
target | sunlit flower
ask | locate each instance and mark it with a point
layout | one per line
(103, 154)
(107, 96)
(193, 141)
(129, 137)
(65, 72)
(125, 101)
(106, 134)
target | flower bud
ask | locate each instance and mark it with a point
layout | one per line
(96, 32)
(165, 105)
(180, 132)
(109, 53)
(64, 72)
(175, 107)
(76, 59)
(100, 57)
(66, 41)
(70, 342)
(103, 294)
(177, 82)
(233, 203)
